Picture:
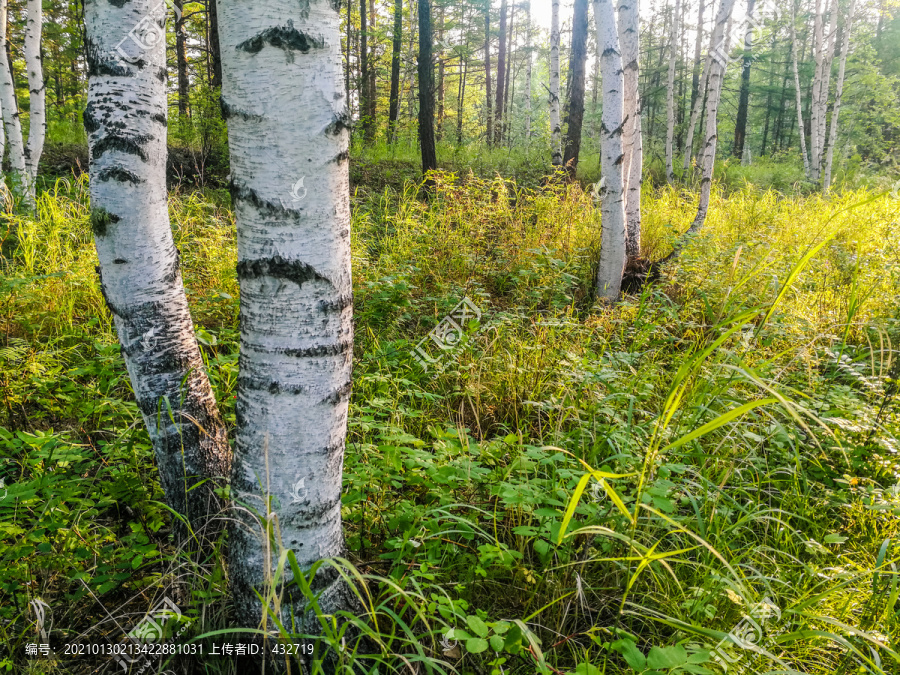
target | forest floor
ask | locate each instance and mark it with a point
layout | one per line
(567, 488)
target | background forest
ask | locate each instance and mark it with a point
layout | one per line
(680, 460)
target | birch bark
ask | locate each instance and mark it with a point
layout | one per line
(555, 128)
(140, 278)
(632, 138)
(800, 127)
(11, 123)
(288, 136)
(37, 116)
(670, 94)
(839, 92)
(612, 206)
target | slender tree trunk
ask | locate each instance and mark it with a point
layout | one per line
(373, 71)
(365, 121)
(215, 51)
(595, 89)
(508, 85)
(396, 45)
(487, 73)
(692, 123)
(555, 130)
(823, 54)
(528, 61)
(140, 277)
(501, 70)
(575, 103)
(10, 110)
(461, 87)
(832, 138)
(670, 93)
(806, 169)
(440, 83)
(740, 126)
(287, 132)
(426, 89)
(37, 114)
(714, 91)
(765, 136)
(181, 60)
(612, 208)
(348, 67)
(632, 138)
(698, 50)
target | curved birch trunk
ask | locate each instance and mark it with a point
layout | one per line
(800, 127)
(125, 120)
(37, 116)
(832, 137)
(612, 206)
(716, 70)
(288, 134)
(670, 94)
(11, 123)
(555, 128)
(632, 138)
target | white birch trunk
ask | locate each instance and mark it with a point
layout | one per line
(800, 127)
(695, 116)
(37, 116)
(714, 90)
(832, 137)
(528, 71)
(11, 123)
(632, 139)
(612, 207)
(140, 278)
(816, 97)
(555, 127)
(670, 93)
(288, 134)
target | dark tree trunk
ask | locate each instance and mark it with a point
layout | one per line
(765, 138)
(364, 108)
(215, 52)
(395, 70)
(440, 83)
(508, 84)
(371, 83)
(461, 91)
(740, 126)
(487, 71)
(501, 70)
(698, 49)
(426, 89)
(181, 61)
(574, 114)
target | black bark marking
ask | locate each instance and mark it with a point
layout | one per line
(339, 394)
(340, 157)
(312, 514)
(338, 305)
(118, 3)
(91, 123)
(100, 219)
(120, 174)
(159, 117)
(272, 386)
(161, 75)
(119, 261)
(286, 38)
(229, 111)
(99, 63)
(339, 123)
(333, 349)
(280, 268)
(129, 145)
(620, 159)
(610, 51)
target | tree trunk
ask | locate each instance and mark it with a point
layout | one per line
(440, 83)
(426, 89)
(487, 73)
(501, 70)
(365, 121)
(140, 277)
(632, 138)
(181, 60)
(692, 123)
(396, 46)
(714, 91)
(575, 104)
(832, 138)
(10, 110)
(824, 44)
(461, 87)
(740, 126)
(215, 51)
(37, 112)
(527, 71)
(287, 132)
(555, 130)
(373, 71)
(612, 207)
(765, 136)
(698, 50)
(670, 94)
(508, 84)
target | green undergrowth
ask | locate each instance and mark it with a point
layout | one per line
(567, 487)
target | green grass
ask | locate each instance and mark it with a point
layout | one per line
(575, 488)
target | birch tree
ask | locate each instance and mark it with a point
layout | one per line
(37, 115)
(716, 70)
(740, 125)
(140, 278)
(574, 111)
(527, 71)
(555, 128)
(670, 92)
(799, 103)
(288, 137)
(824, 51)
(612, 206)
(632, 138)
(11, 123)
(838, 94)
